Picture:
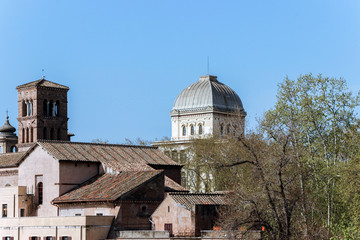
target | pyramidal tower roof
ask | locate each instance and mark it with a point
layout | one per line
(42, 83)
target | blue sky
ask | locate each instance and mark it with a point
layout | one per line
(126, 61)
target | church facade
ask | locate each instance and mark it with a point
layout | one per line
(53, 188)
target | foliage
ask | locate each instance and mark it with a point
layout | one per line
(299, 163)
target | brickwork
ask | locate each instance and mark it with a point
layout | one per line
(42, 114)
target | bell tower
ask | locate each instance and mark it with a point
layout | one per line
(42, 112)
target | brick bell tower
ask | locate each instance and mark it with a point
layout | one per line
(42, 112)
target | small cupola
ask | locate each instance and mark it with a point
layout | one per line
(7, 130)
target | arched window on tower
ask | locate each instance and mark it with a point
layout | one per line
(45, 133)
(222, 129)
(58, 134)
(51, 134)
(51, 109)
(24, 108)
(184, 131)
(57, 108)
(192, 130)
(23, 135)
(31, 134)
(27, 135)
(40, 190)
(13, 149)
(45, 108)
(200, 129)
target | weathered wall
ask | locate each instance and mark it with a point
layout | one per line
(87, 210)
(40, 164)
(79, 228)
(75, 173)
(169, 212)
(8, 177)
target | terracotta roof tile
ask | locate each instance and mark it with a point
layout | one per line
(172, 186)
(117, 157)
(10, 159)
(108, 187)
(42, 83)
(191, 199)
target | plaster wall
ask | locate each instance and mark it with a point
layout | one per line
(170, 212)
(14, 198)
(74, 173)
(40, 165)
(79, 228)
(86, 210)
(8, 177)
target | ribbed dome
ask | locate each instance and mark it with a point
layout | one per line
(207, 94)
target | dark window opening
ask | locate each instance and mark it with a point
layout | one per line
(57, 108)
(51, 108)
(13, 149)
(192, 130)
(27, 135)
(77, 214)
(31, 135)
(4, 210)
(99, 214)
(45, 133)
(200, 129)
(51, 134)
(40, 193)
(45, 108)
(184, 131)
(24, 109)
(221, 129)
(228, 129)
(58, 134)
(22, 212)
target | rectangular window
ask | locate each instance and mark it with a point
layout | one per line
(49, 238)
(65, 238)
(77, 214)
(99, 214)
(22, 212)
(4, 210)
(34, 238)
(8, 238)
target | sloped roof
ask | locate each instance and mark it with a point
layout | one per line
(117, 157)
(10, 159)
(191, 199)
(172, 186)
(42, 83)
(108, 187)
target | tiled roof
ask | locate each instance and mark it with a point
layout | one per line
(190, 199)
(10, 159)
(42, 83)
(117, 157)
(172, 186)
(108, 187)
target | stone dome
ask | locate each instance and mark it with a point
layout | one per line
(205, 95)
(7, 130)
